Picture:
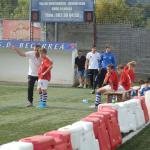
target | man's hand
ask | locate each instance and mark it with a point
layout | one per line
(13, 48)
(18, 51)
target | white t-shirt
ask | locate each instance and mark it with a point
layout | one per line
(34, 63)
(93, 60)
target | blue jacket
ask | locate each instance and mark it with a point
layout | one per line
(107, 58)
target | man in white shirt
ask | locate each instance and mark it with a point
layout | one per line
(92, 65)
(34, 63)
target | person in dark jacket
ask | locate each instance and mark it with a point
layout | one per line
(80, 65)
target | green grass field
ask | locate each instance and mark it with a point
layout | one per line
(65, 107)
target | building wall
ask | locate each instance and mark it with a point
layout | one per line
(14, 68)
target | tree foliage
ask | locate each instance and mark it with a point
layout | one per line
(22, 10)
(117, 11)
(14, 9)
(7, 7)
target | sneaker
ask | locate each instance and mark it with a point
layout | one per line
(84, 86)
(92, 92)
(42, 105)
(29, 104)
(80, 86)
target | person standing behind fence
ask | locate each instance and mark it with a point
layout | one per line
(92, 65)
(106, 58)
(80, 65)
(34, 63)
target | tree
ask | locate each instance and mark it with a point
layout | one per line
(14, 9)
(117, 11)
(22, 10)
(7, 7)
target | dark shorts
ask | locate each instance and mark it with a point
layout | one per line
(81, 73)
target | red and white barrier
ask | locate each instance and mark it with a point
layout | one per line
(126, 120)
(63, 139)
(17, 146)
(144, 107)
(40, 142)
(99, 131)
(147, 101)
(88, 136)
(135, 108)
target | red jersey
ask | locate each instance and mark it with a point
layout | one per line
(112, 79)
(125, 80)
(130, 72)
(45, 64)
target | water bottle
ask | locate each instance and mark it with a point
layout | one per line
(116, 99)
(85, 101)
(113, 99)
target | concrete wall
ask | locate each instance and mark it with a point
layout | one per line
(14, 68)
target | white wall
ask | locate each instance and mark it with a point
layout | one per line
(14, 68)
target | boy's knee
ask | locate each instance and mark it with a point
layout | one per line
(97, 91)
(39, 90)
(44, 91)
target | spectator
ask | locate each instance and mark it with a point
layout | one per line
(110, 82)
(92, 65)
(80, 65)
(106, 58)
(124, 79)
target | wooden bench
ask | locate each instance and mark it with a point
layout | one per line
(119, 96)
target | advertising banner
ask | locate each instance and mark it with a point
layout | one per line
(60, 46)
(62, 11)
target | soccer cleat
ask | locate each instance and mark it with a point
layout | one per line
(80, 86)
(42, 104)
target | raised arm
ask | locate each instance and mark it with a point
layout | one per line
(18, 51)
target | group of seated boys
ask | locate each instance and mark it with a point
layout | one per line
(120, 80)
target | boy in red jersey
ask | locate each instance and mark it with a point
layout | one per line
(124, 79)
(110, 82)
(130, 70)
(44, 76)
